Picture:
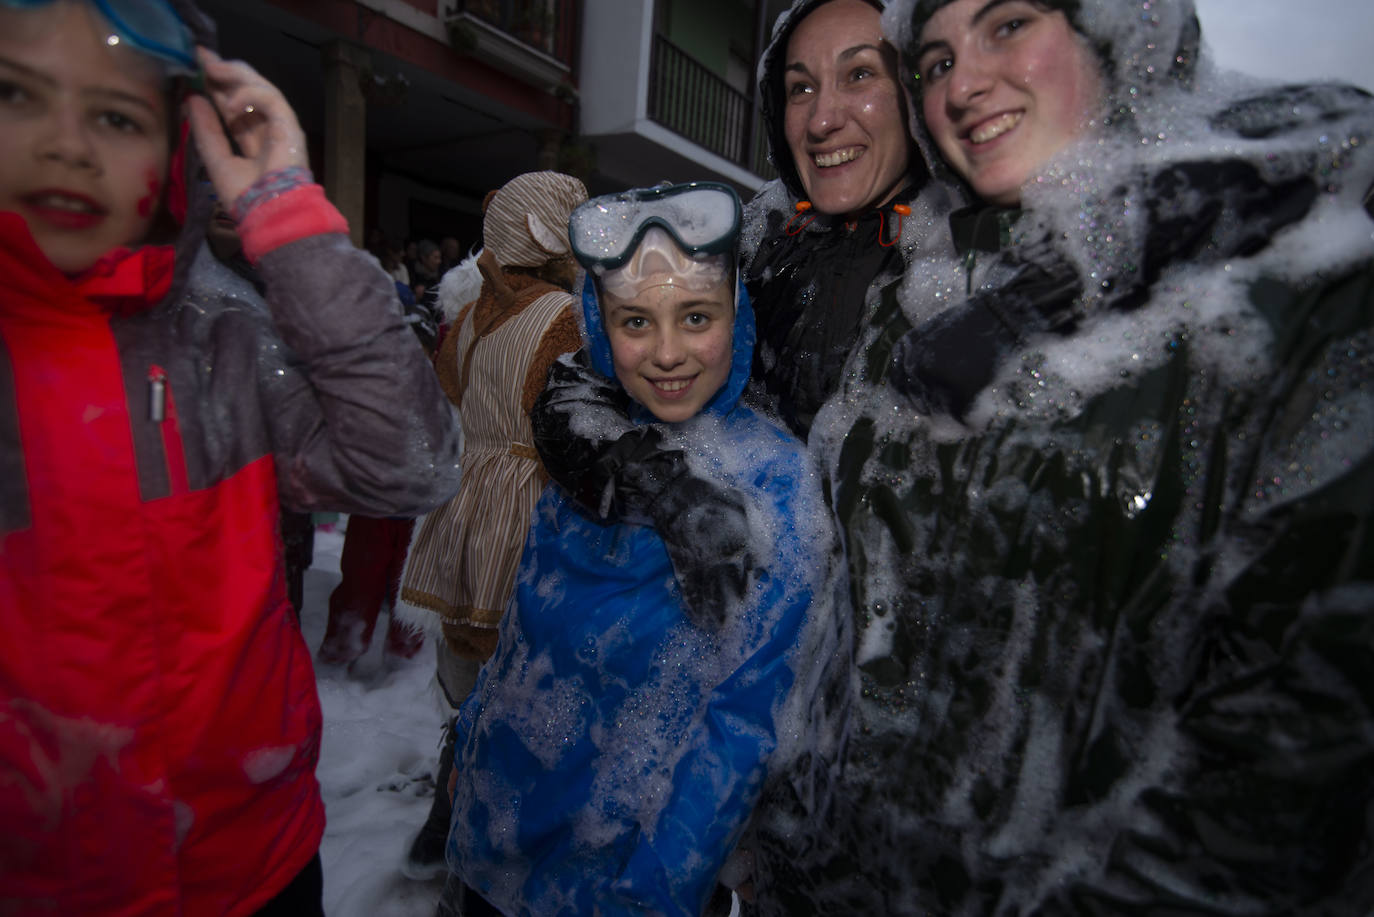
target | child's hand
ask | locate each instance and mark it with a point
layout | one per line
(259, 119)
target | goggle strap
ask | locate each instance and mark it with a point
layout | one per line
(142, 41)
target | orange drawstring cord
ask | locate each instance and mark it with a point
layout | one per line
(902, 210)
(802, 207)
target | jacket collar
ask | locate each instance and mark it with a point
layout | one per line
(123, 282)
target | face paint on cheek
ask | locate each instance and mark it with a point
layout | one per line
(149, 200)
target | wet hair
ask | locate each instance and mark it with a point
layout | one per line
(1173, 62)
(922, 10)
(1136, 57)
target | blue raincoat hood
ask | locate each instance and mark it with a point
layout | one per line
(741, 359)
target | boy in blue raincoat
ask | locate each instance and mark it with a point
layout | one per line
(614, 747)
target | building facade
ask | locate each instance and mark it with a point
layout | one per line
(415, 109)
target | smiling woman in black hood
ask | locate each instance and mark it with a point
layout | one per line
(827, 234)
(1106, 502)
(788, 75)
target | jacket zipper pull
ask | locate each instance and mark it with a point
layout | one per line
(157, 394)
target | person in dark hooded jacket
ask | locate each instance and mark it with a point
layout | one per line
(159, 726)
(1106, 500)
(827, 234)
(609, 756)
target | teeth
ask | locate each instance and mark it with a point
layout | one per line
(826, 160)
(672, 385)
(995, 128)
(61, 202)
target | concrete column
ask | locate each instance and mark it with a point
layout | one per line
(345, 132)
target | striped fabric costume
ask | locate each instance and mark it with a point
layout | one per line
(493, 365)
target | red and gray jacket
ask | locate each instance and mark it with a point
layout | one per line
(159, 726)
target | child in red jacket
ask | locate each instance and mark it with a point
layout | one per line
(159, 726)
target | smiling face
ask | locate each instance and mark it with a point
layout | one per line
(671, 345)
(843, 115)
(1005, 85)
(83, 133)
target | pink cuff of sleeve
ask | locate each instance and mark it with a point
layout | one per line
(300, 212)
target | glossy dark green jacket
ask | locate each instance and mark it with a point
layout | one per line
(1110, 548)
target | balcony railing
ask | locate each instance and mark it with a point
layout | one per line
(761, 164)
(548, 26)
(690, 100)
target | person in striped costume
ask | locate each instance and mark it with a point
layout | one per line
(492, 365)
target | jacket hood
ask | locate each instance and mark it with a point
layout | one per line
(1141, 44)
(771, 98)
(202, 26)
(525, 221)
(189, 201)
(1188, 187)
(741, 358)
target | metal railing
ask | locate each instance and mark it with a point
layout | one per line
(549, 26)
(689, 99)
(762, 165)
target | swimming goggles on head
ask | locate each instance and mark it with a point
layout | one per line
(149, 26)
(702, 217)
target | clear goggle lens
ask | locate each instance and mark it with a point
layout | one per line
(702, 217)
